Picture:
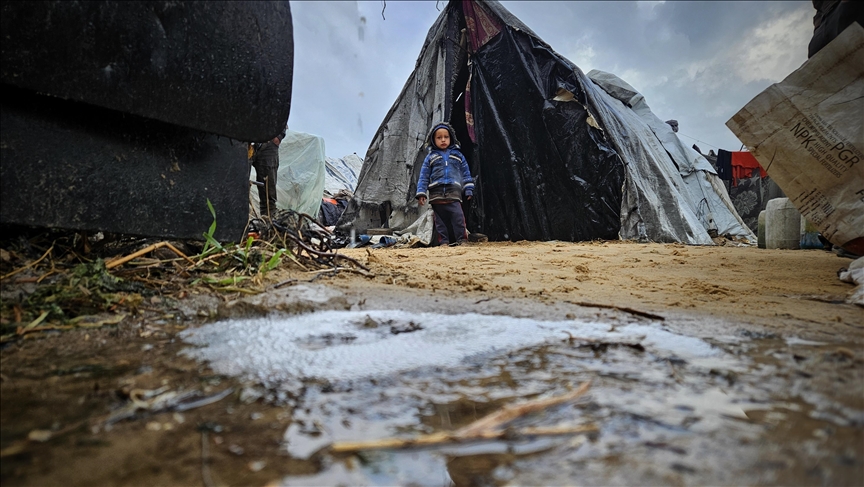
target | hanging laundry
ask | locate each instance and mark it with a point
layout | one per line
(724, 165)
(743, 165)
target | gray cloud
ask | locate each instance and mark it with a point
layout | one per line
(698, 62)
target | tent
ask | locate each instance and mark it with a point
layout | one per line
(300, 181)
(555, 156)
(342, 173)
(701, 184)
(340, 181)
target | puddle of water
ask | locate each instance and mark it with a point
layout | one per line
(670, 408)
(345, 345)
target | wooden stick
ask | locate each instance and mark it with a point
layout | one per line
(117, 262)
(208, 259)
(294, 259)
(423, 440)
(513, 411)
(32, 324)
(16, 271)
(347, 269)
(283, 283)
(181, 254)
(443, 438)
(620, 308)
(485, 428)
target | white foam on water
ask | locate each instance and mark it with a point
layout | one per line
(341, 345)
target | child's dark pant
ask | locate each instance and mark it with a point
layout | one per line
(449, 222)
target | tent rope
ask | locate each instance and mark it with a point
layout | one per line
(697, 140)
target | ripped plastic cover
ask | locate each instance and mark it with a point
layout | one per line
(699, 188)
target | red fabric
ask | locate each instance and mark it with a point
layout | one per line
(743, 164)
(469, 116)
(481, 25)
(331, 201)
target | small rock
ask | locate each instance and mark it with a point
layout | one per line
(154, 426)
(257, 466)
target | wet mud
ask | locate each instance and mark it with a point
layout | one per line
(668, 408)
(723, 392)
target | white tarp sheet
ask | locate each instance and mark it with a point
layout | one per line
(300, 181)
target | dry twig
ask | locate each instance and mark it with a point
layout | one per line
(510, 412)
(40, 259)
(117, 262)
(489, 427)
(619, 308)
(442, 438)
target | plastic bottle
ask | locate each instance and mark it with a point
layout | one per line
(782, 225)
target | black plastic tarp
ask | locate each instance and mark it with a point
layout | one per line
(544, 172)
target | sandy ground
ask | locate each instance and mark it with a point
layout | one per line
(67, 382)
(745, 284)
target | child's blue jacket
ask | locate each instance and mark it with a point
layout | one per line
(446, 166)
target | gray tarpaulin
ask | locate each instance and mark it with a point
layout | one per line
(699, 189)
(342, 173)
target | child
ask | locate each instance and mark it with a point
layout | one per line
(443, 177)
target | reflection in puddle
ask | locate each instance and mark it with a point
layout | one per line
(669, 408)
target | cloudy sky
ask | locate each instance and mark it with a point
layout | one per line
(696, 62)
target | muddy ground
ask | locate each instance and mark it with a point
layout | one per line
(781, 312)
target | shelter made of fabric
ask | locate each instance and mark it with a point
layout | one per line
(341, 173)
(300, 179)
(555, 154)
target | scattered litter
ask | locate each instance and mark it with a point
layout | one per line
(854, 274)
